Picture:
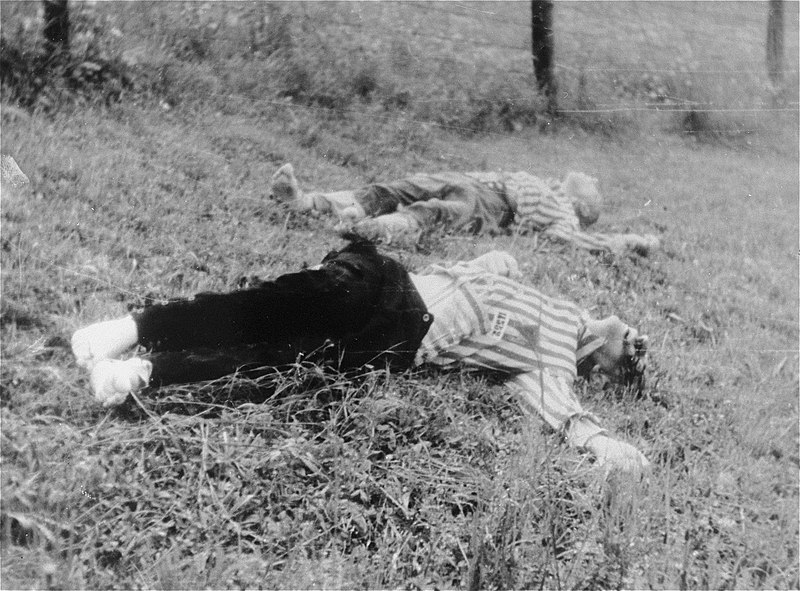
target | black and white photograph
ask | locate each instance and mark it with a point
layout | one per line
(412, 295)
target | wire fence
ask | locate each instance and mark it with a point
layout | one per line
(692, 58)
(612, 57)
(609, 57)
(621, 59)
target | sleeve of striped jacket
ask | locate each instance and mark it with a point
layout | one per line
(553, 399)
(591, 242)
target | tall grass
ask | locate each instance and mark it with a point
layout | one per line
(416, 480)
(458, 68)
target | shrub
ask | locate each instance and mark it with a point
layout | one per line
(270, 31)
(89, 72)
(584, 113)
(364, 79)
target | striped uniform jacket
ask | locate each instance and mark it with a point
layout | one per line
(487, 321)
(541, 205)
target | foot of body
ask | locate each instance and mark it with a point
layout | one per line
(104, 340)
(113, 380)
(284, 187)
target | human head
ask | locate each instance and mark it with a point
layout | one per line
(283, 184)
(616, 349)
(581, 189)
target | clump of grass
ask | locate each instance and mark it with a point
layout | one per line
(322, 463)
(701, 118)
(423, 480)
(35, 77)
(324, 72)
(580, 110)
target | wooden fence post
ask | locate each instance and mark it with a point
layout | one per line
(56, 25)
(542, 48)
(775, 48)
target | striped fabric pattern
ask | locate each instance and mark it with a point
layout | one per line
(552, 398)
(528, 330)
(542, 206)
(593, 242)
(540, 202)
(459, 315)
(489, 321)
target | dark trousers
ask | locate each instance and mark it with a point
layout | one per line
(359, 307)
(449, 198)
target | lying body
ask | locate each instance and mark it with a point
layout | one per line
(477, 202)
(361, 308)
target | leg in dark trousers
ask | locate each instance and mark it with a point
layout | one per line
(309, 306)
(359, 308)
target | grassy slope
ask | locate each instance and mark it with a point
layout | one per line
(424, 481)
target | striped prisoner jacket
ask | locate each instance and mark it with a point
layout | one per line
(488, 321)
(541, 205)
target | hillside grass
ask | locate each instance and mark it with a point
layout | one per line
(412, 481)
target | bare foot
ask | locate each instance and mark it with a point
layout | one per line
(112, 380)
(103, 340)
(284, 187)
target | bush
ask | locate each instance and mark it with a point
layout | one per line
(584, 113)
(35, 78)
(283, 57)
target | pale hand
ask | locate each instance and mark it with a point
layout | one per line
(618, 456)
(499, 262)
(387, 227)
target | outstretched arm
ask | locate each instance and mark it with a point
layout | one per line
(498, 262)
(596, 242)
(553, 399)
